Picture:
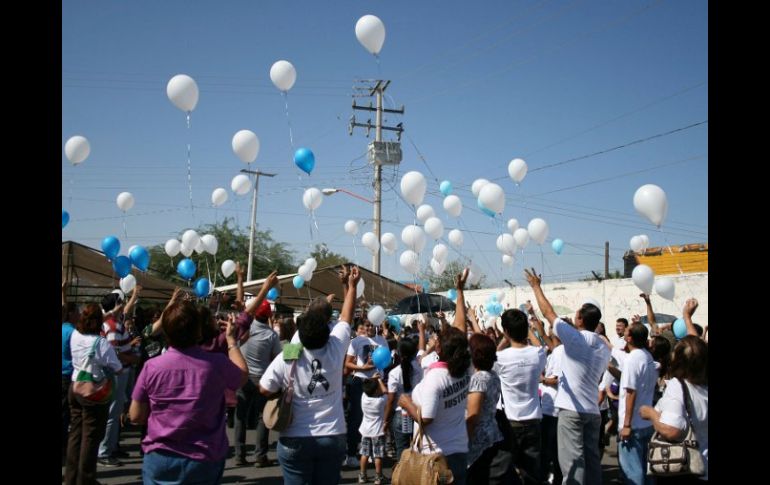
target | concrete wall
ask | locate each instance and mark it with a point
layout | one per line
(617, 297)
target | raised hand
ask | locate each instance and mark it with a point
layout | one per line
(461, 278)
(270, 281)
(689, 307)
(533, 278)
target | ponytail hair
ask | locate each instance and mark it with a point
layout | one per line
(407, 349)
(454, 351)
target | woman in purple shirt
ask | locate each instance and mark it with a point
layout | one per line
(180, 395)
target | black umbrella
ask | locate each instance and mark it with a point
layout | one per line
(422, 303)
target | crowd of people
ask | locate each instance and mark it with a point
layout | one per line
(535, 403)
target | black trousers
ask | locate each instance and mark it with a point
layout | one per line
(65, 412)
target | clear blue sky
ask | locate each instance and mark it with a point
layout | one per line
(544, 80)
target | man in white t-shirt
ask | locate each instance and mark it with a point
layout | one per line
(637, 385)
(585, 359)
(619, 341)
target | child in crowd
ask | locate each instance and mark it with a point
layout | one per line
(372, 427)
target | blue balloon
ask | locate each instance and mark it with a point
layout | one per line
(186, 268)
(446, 187)
(484, 209)
(272, 294)
(122, 266)
(304, 159)
(65, 218)
(140, 258)
(557, 245)
(452, 294)
(679, 328)
(298, 282)
(493, 297)
(110, 246)
(394, 322)
(381, 357)
(202, 287)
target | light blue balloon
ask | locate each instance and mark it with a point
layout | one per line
(202, 287)
(298, 282)
(452, 294)
(122, 266)
(272, 294)
(557, 245)
(140, 258)
(111, 247)
(395, 323)
(381, 357)
(679, 328)
(484, 209)
(186, 268)
(65, 218)
(493, 297)
(304, 159)
(446, 187)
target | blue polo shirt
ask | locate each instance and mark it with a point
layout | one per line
(66, 353)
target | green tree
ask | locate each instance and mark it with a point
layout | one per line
(324, 257)
(233, 243)
(446, 280)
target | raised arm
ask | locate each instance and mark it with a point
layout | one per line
(270, 281)
(177, 295)
(132, 301)
(471, 315)
(234, 350)
(689, 309)
(460, 314)
(534, 281)
(349, 305)
(239, 294)
(654, 330)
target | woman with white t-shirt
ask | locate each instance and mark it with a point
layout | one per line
(669, 417)
(311, 448)
(401, 380)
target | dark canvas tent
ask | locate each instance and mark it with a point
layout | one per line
(378, 290)
(91, 276)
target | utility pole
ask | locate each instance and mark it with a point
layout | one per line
(380, 153)
(606, 259)
(256, 174)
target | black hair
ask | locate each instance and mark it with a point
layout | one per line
(370, 387)
(322, 305)
(454, 351)
(313, 329)
(110, 301)
(623, 321)
(638, 334)
(515, 324)
(591, 316)
(407, 349)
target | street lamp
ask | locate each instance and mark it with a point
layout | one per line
(376, 255)
(334, 191)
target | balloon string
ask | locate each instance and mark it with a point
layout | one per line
(72, 183)
(355, 250)
(379, 67)
(668, 245)
(189, 181)
(188, 119)
(542, 263)
(288, 119)
(125, 233)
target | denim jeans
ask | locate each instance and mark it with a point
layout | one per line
(166, 468)
(401, 440)
(578, 447)
(632, 456)
(493, 467)
(109, 444)
(458, 463)
(311, 459)
(249, 396)
(355, 415)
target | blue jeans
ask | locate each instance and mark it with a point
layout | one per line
(311, 459)
(165, 468)
(109, 444)
(401, 440)
(632, 456)
(458, 463)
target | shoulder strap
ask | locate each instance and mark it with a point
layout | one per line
(92, 353)
(687, 401)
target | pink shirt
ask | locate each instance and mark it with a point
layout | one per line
(185, 392)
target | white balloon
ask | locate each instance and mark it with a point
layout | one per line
(283, 75)
(493, 197)
(538, 230)
(360, 288)
(200, 248)
(389, 242)
(241, 184)
(517, 169)
(521, 236)
(413, 186)
(455, 237)
(228, 267)
(424, 212)
(376, 315)
(370, 242)
(172, 247)
(477, 185)
(440, 252)
(434, 227)
(218, 196)
(128, 253)
(508, 260)
(410, 261)
(413, 237)
(125, 201)
(650, 201)
(643, 278)
(246, 145)
(183, 92)
(370, 32)
(453, 205)
(474, 274)
(438, 267)
(506, 244)
(128, 283)
(312, 198)
(513, 224)
(186, 252)
(665, 287)
(593, 302)
(77, 149)
(190, 239)
(645, 241)
(311, 263)
(351, 227)
(210, 243)
(305, 272)
(636, 244)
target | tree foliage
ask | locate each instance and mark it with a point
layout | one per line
(324, 257)
(445, 280)
(233, 243)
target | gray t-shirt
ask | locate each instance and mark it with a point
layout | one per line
(260, 349)
(487, 433)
